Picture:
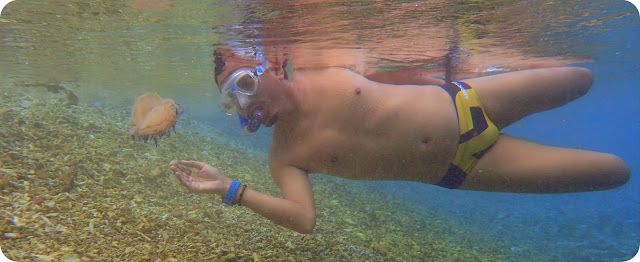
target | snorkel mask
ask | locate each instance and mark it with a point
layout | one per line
(237, 91)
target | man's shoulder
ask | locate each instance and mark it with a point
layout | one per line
(330, 72)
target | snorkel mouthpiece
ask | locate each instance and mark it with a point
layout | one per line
(254, 123)
(251, 125)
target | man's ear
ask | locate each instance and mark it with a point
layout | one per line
(276, 56)
(284, 69)
(279, 69)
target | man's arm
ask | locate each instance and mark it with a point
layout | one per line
(296, 210)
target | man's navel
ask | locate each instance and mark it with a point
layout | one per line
(425, 143)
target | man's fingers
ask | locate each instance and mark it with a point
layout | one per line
(182, 173)
(194, 164)
(187, 181)
(178, 172)
(183, 178)
(184, 169)
(177, 167)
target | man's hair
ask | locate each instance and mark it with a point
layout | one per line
(219, 65)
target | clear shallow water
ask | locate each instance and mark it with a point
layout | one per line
(109, 53)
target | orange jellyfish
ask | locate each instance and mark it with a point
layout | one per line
(152, 117)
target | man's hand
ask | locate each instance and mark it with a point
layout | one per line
(205, 179)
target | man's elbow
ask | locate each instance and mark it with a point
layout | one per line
(307, 225)
(306, 229)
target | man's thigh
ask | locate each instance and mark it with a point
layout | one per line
(516, 165)
(512, 96)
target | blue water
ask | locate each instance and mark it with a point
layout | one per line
(595, 226)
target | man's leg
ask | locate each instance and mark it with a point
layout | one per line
(515, 165)
(510, 97)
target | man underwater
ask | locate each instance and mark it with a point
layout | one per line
(337, 122)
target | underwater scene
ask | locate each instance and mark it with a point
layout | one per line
(99, 97)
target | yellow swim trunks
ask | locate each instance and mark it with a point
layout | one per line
(477, 133)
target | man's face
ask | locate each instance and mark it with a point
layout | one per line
(228, 64)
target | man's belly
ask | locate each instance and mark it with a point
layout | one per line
(420, 158)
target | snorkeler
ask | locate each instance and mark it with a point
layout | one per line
(337, 122)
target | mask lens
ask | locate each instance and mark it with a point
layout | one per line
(237, 90)
(246, 83)
(226, 103)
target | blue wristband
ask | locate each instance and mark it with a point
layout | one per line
(231, 193)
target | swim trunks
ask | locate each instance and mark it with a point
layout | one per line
(477, 133)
